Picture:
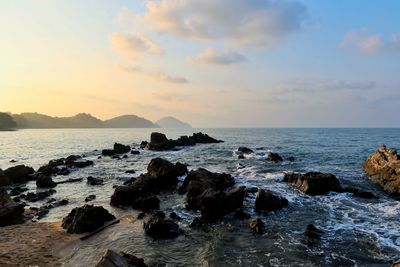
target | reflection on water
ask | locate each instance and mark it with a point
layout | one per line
(357, 231)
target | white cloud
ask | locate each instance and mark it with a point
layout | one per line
(132, 45)
(264, 23)
(160, 76)
(366, 43)
(210, 56)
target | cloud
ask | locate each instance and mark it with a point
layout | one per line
(210, 56)
(160, 76)
(132, 45)
(263, 23)
(366, 43)
(171, 96)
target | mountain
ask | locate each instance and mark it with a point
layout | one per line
(129, 121)
(171, 122)
(7, 122)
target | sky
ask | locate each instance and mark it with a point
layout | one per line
(225, 63)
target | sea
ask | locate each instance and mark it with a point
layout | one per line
(357, 232)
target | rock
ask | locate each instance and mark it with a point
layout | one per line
(90, 198)
(181, 168)
(116, 157)
(274, 157)
(257, 225)
(312, 234)
(159, 142)
(141, 215)
(4, 180)
(216, 204)
(125, 156)
(113, 259)
(291, 158)
(63, 202)
(245, 150)
(94, 181)
(33, 197)
(80, 164)
(19, 174)
(159, 228)
(10, 212)
(240, 214)
(241, 156)
(143, 144)
(45, 181)
(201, 138)
(135, 152)
(314, 183)
(198, 181)
(383, 168)
(130, 171)
(359, 192)
(174, 216)
(108, 152)
(251, 190)
(121, 149)
(267, 201)
(18, 190)
(396, 264)
(199, 223)
(164, 171)
(86, 219)
(13, 161)
(147, 203)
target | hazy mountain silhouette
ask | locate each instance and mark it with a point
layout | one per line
(171, 122)
(7, 122)
(129, 121)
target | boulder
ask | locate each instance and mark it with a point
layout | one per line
(19, 174)
(274, 157)
(18, 190)
(86, 219)
(198, 181)
(90, 198)
(267, 201)
(80, 164)
(10, 212)
(201, 138)
(4, 180)
(94, 181)
(245, 150)
(34, 197)
(383, 168)
(312, 234)
(257, 225)
(314, 183)
(160, 228)
(164, 171)
(45, 181)
(181, 168)
(113, 259)
(135, 152)
(121, 149)
(147, 203)
(359, 192)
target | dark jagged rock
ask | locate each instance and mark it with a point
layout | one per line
(216, 204)
(383, 168)
(45, 181)
(198, 181)
(10, 212)
(181, 168)
(359, 192)
(135, 152)
(130, 171)
(240, 214)
(245, 150)
(274, 157)
(108, 152)
(33, 197)
(267, 201)
(174, 216)
(141, 215)
(113, 259)
(257, 225)
(125, 156)
(18, 190)
(164, 171)
(86, 219)
(121, 149)
(159, 142)
(19, 174)
(160, 228)
(312, 234)
(251, 190)
(94, 181)
(147, 203)
(241, 157)
(314, 183)
(4, 180)
(90, 198)
(80, 164)
(63, 202)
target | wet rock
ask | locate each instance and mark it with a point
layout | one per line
(241, 156)
(19, 174)
(251, 190)
(359, 192)
(63, 202)
(45, 181)
(4, 180)
(274, 157)
(125, 156)
(201, 138)
(130, 171)
(257, 225)
(314, 183)
(245, 150)
(113, 259)
(143, 144)
(94, 181)
(396, 264)
(164, 171)
(267, 201)
(216, 204)
(181, 168)
(383, 168)
(121, 149)
(135, 152)
(13, 161)
(86, 219)
(240, 214)
(116, 157)
(174, 216)
(80, 164)
(10, 212)
(198, 181)
(18, 190)
(33, 197)
(108, 152)
(159, 228)
(159, 142)
(147, 203)
(312, 234)
(90, 198)
(141, 215)
(200, 224)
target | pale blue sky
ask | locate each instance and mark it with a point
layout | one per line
(227, 63)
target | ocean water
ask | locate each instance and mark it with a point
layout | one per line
(358, 232)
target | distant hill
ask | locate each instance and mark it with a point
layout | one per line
(82, 120)
(129, 121)
(171, 122)
(7, 122)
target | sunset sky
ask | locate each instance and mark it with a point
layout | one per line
(212, 63)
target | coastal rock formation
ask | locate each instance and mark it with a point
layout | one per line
(267, 201)
(62, 166)
(94, 181)
(198, 181)
(159, 141)
(4, 180)
(86, 219)
(19, 174)
(314, 183)
(160, 228)
(312, 234)
(139, 192)
(45, 181)
(245, 150)
(117, 150)
(122, 259)
(274, 157)
(257, 225)
(383, 167)
(10, 212)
